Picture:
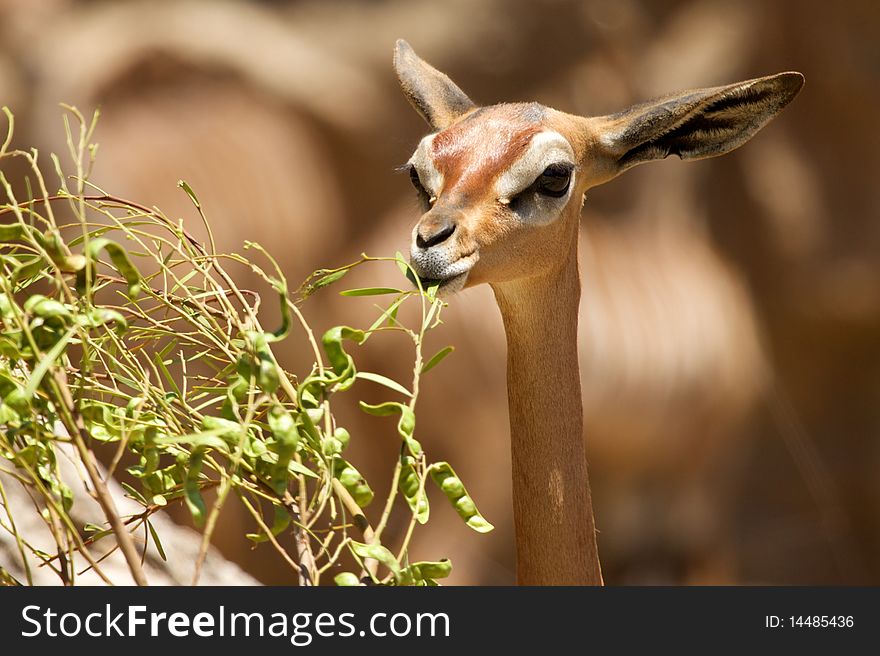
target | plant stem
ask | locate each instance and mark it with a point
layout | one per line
(370, 564)
(101, 493)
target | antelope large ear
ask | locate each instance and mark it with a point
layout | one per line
(437, 98)
(693, 124)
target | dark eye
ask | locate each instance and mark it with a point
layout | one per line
(414, 177)
(554, 180)
(417, 183)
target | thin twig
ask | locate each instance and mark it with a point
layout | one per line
(101, 493)
(307, 568)
(360, 521)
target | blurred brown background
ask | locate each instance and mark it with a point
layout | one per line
(731, 315)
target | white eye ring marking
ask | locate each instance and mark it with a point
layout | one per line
(431, 178)
(545, 148)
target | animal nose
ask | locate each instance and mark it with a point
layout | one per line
(434, 232)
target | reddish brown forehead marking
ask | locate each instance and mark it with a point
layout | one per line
(472, 153)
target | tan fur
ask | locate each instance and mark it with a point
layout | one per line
(532, 269)
(473, 152)
(552, 506)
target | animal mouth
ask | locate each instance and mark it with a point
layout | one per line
(452, 279)
(444, 284)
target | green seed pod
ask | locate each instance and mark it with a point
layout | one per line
(315, 414)
(405, 426)
(409, 485)
(352, 481)
(424, 573)
(283, 427)
(48, 309)
(307, 428)
(445, 478)
(267, 376)
(342, 435)
(342, 362)
(466, 507)
(409, 478)
(346, 579)
(5, 306)
(433, 570)
(452, 487)
(330, 446)
(193, 495)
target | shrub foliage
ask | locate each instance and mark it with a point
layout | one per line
(126, 337)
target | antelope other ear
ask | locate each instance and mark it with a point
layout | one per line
(433, 95)
(693, 124)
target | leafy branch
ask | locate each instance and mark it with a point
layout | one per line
(123, 335)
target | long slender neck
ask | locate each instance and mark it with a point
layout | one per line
(553, 513)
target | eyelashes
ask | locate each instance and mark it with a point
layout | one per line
(424, 197)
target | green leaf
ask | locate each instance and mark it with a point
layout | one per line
(390, 314)
(156, 541)
(281, 522)
(182, 184)
(97, 532)
(371, 291)
(437, 358)
(376, 552)
(160, 363)
(402, 264)
(47, 361)
(446, 479)
(137, 496)
(209, 439)
(325, 277)
(307, 426)
(383, 380)
(297, 468)
(28, 269)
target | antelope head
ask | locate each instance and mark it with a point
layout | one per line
(501, 187)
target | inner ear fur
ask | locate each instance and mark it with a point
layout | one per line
(694, 124)
(433, 95)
